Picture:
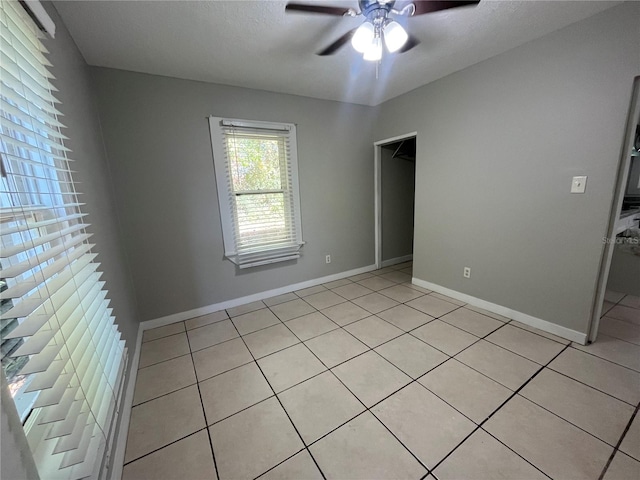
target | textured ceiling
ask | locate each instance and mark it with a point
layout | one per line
(255, 44)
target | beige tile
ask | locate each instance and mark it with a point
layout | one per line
(396, 277)
(337, 283)
(166, 348)
(210, 335)
(163, 378)
(299, 467)
(416, 287)
(372, 331)
(246, 308)
(336, 347)
(400, 293)
(324, 299)
(376, 283)
(375, 303)
(622, 467)
(345, 313)
(542, 333)
(631, 441)
(270, 340)
(382, 271)
(403, 265)
(620, 329)
(155, 333)
(408, 271)
(311, 325)
(444, 337)
(482, 457)
(615, 350)
(472, 322)
(305, 292)
(319, 405)
(631, 301)
(601, 374)
(487, 313)
(625, 313)
(455, 301)
(411, 355)
(529, 345)
(363, 450)
(352, 290)
(235, 390)
(606, 306)
(432, 306)
(612, 296)
(206, 319)
(163, 420)
(253, 441)
(556, 447)
(286, 297)
(220, 358)
(296, 308)
(190, 457)
(472, 393)
(499, 364)
(405, 318)
(254, 321)
(290, 366)
(423, 423)
(579, 404)
(362, 276)
(370, 377)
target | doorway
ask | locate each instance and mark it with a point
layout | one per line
(618, 290)
(395, 167)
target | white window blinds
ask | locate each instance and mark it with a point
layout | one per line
(257, 179)
(61, 352)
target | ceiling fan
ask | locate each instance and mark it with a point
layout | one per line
(379, 26)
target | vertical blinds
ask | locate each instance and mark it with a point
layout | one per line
(260, 183)
(61, 351)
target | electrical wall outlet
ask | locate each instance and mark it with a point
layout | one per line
(327, 259)
(466, 273)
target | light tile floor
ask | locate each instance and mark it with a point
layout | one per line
(374, 378)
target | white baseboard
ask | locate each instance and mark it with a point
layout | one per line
(198, 312)
(127, 403)
(397, 260)
(538, 323)
(123, 433)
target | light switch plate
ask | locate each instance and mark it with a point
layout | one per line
(579, 184)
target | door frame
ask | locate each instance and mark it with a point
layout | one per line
(377, 169)
(616, 205)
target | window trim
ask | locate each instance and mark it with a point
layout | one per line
(225, 205)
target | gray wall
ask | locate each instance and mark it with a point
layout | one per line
(159, 148)
(498, 144)
(73, 80)
(398, 178)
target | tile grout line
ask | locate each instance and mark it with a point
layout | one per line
(367, 409)
(606, 359)
(281, 405)
(204, 412)
(480, 425)
(616, 448)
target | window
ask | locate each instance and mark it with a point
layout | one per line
(61, 352)
(257, 177)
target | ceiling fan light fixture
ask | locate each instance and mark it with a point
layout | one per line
(363, 37)
(374, 51)
(394, 36)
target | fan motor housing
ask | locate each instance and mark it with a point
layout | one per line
(369, 6)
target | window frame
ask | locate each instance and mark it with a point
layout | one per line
(228, 218)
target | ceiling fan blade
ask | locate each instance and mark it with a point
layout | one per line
(410, 43)
(428, 6)
(335, 46)
(325, 10)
